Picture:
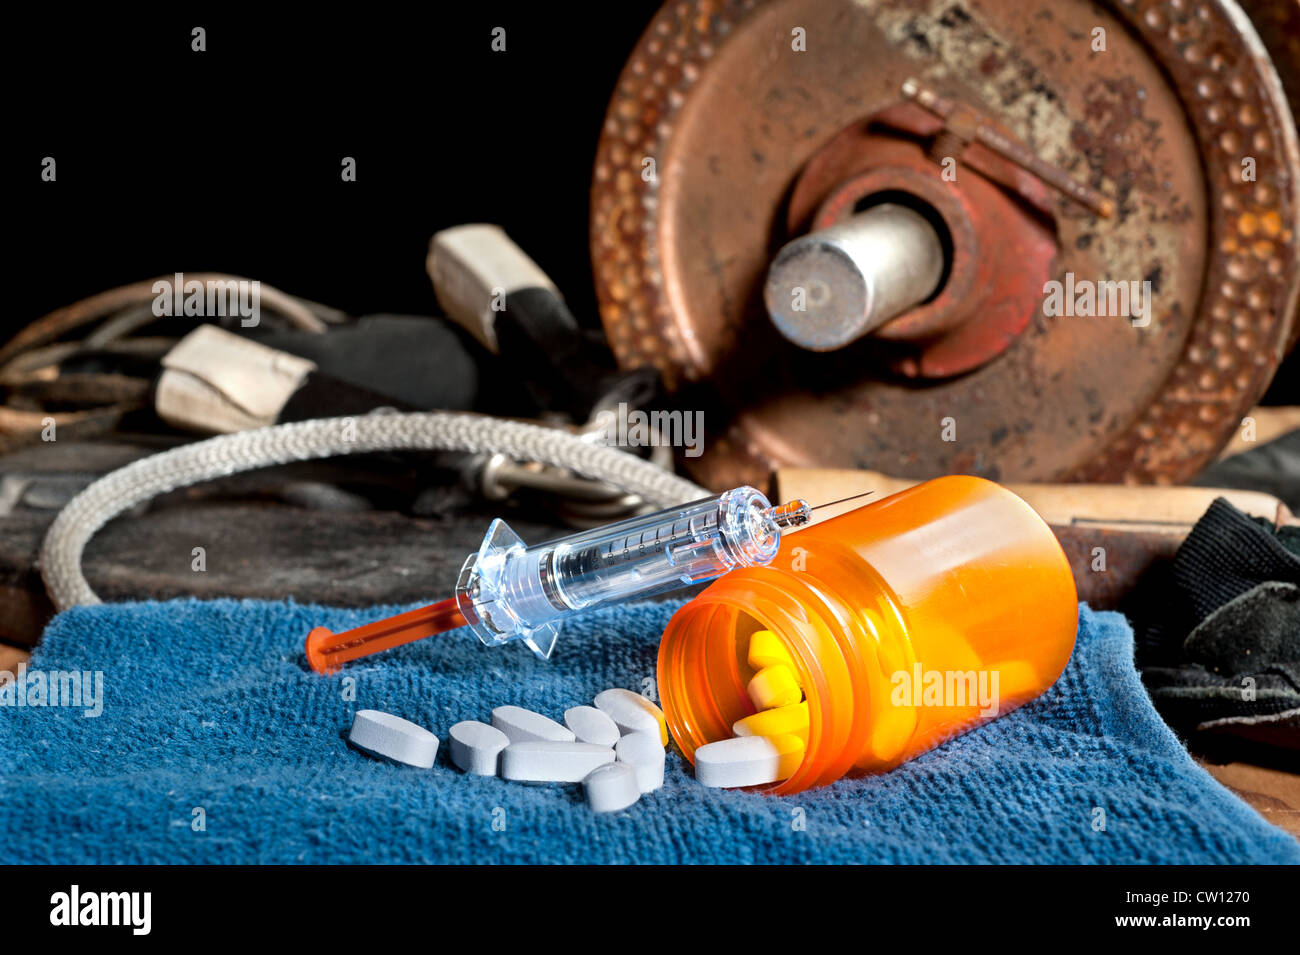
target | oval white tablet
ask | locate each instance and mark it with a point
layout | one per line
(590, 725)
(645, 754)
(549, 761)
(748, 760)
(523, 726)
(611, 787)
(391, 737)
(632, 713)
(476, 747)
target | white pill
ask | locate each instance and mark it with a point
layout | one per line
(550, 761)
(590, 725)
(476, 747)
(611, 787)
(391, 737)
(748, 760)
(645, 754)
(524, 726)
(632, 713)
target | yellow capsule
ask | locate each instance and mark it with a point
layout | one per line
(767, 650)
(791, 749)
(774, 686)
(791, 720)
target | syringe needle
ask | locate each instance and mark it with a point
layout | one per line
(841, 500)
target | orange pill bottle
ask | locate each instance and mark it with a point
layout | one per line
(910, 620)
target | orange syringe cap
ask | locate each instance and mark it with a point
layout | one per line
(327, 650)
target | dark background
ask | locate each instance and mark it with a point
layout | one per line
(229, 160)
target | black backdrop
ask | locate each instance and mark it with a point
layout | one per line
(229, 160)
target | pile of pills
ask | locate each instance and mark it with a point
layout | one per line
(614, 748)
(769, 745)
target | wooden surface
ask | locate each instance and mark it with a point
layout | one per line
(10, 657)
(1273, 793)
(1270, 423)
(1171, 510)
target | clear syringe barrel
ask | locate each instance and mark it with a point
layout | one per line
(510, 591)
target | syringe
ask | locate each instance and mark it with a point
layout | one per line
(509, 591)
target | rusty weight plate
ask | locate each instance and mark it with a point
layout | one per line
(1160, 121)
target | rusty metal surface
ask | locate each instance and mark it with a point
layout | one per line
(731, 116)
(1278, 24)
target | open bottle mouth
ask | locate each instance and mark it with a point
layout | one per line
(704, 671)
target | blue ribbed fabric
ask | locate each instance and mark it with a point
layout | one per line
(209, 705)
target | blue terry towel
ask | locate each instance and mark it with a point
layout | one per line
(209, 706)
